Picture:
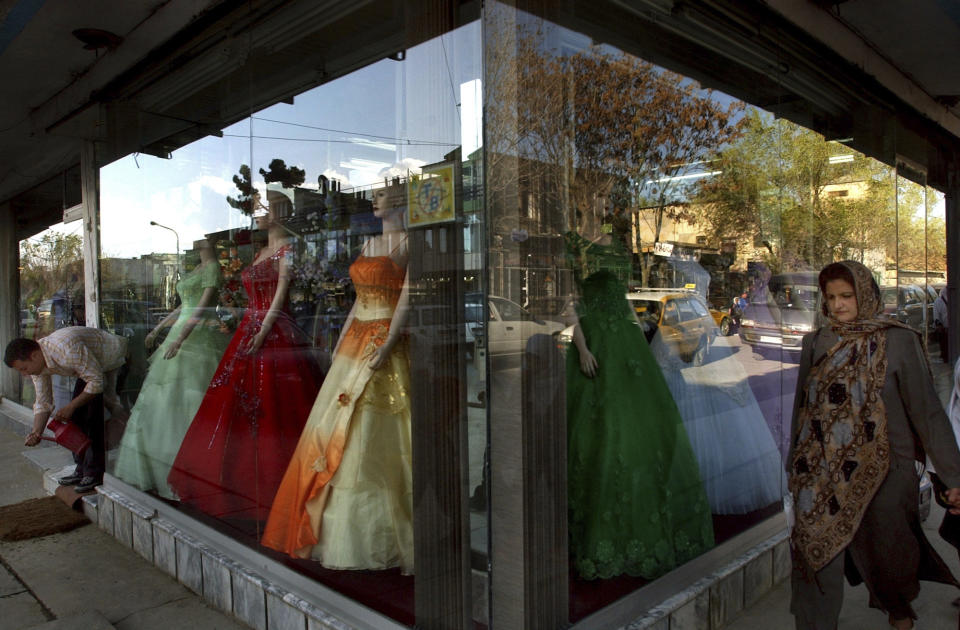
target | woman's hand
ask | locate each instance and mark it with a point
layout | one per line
(255, 342)
(588, 363)
(952, 497)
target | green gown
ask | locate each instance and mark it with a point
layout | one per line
(636, 502)
(172, 390)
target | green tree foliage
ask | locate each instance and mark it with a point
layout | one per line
(277, 171)
(244, 202)
(774, 184)
(288, 177)
(52, 262)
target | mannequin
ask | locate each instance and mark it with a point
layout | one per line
(636, 502)
(347, 498)
(180, 371)
(241, 438)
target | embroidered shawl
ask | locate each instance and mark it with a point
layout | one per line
(841, 452)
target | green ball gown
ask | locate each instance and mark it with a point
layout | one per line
(636, 502)
(172, 390)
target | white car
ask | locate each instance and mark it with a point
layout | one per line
(508, 328)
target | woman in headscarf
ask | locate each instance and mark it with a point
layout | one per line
(865, 411)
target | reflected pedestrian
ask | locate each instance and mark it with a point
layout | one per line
(940, 323)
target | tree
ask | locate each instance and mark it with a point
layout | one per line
(288, 177)
(49, 264)
(244, 202)
(593, 130)
(278, 171)
(772, 184)
(647, 129)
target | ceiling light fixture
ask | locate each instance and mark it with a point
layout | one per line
(95, 38)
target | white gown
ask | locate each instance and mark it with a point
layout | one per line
(739, 461)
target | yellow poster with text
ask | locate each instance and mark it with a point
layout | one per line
(431, 197)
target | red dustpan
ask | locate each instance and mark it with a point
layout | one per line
(68, 435)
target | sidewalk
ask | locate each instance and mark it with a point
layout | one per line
(83, 579)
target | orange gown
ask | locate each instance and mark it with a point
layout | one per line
(346, 499)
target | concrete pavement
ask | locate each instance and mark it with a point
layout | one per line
(83, 579)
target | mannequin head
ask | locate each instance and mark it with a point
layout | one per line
(204, 249)
(277, 209)
(389, 200)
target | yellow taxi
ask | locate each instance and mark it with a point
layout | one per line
(682, 317)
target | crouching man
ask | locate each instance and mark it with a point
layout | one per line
(94, 357)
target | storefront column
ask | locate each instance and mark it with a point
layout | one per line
(528, 520)
(952, 202)
(90, 183)
(9, 287)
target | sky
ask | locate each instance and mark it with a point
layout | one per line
(386, 119)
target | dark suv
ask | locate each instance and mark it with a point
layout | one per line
(781, 314)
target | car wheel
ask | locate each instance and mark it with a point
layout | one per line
(700, 354)
(726, 327)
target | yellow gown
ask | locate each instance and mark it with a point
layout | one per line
(346, 499)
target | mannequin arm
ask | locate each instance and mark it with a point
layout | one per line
(276, 306)
(397, 325)
(166, 322)
(206, 299)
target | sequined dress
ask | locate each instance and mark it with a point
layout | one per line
(636, 502)
(173, 389)
(240, 441)
(347, 497)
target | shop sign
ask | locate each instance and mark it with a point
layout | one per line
(662, 249)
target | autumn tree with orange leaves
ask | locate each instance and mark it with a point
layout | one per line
(595, 129)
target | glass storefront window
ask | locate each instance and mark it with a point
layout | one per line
(668, 237)
(492, 275)
(293, 293)
(51, 294)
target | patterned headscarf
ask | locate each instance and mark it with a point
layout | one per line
(841, 453)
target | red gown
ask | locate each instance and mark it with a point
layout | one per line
(241, 440)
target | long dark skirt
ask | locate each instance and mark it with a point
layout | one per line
(889, 553)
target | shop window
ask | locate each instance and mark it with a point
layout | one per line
(621, 155)
(51, 294)
(294, 294)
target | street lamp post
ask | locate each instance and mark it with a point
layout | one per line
(178, 243)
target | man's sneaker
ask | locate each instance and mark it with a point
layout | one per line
(87, 484)
(70, 480)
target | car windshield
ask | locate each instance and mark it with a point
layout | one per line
(510, 311)
(647, 310)
(797, 296)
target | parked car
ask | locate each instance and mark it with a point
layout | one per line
(28, 324)
(506, 329)
(686, 324)
(907, 304)
(554, 309)
(780, 315)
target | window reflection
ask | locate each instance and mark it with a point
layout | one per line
(51, 294)
(295, 291)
